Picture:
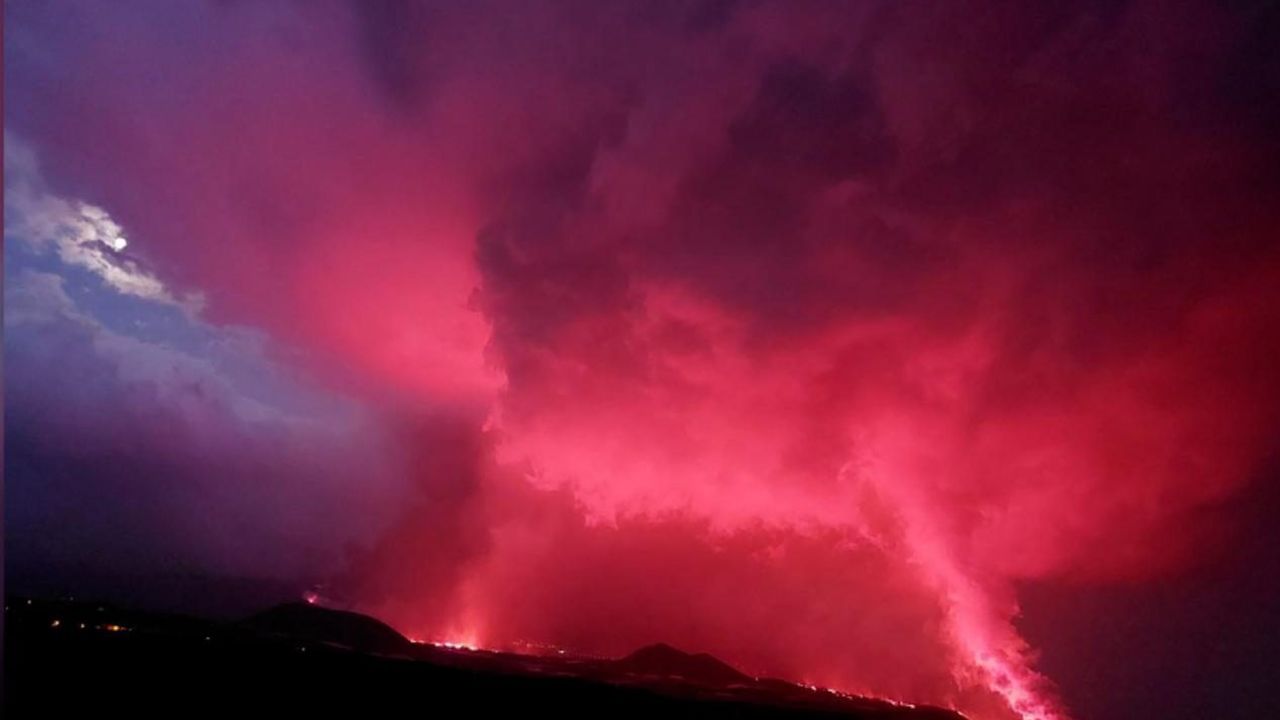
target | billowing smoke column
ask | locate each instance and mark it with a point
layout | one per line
(969, 318)
(800, 335)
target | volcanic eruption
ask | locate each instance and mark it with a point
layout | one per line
(808, 334)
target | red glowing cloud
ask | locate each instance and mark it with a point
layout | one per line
(802, 337)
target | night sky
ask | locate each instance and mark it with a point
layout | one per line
(927, 350)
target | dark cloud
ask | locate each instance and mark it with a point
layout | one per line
(395, 37)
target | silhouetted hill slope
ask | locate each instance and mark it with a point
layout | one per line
(78, 659)
(304, 621)
(663, 660)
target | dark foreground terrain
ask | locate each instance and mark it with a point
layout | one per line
(66, 659)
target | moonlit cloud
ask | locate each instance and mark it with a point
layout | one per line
(117, 391)
(80, 234)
